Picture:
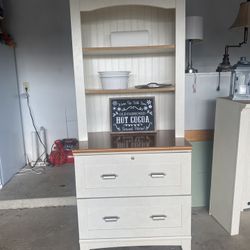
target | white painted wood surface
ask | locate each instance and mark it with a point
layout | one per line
(180, 31)
(246, 192)
(185, 242)
(98, 25)
(137, 198)
(230, 162)
(78, 69)
(88, 5)
(134, 217)
(116, 175)
(244, 155)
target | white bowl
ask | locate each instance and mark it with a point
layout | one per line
(114, 73)
(114, 79)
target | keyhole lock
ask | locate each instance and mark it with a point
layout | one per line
(132, 158)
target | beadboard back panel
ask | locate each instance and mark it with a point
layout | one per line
(143, 69)
(98, 112)
(96, 29)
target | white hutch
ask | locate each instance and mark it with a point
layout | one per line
(133, 195)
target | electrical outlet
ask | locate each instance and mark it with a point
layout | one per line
(26, 86)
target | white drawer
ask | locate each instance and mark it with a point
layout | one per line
(134, 217)
(114, 175)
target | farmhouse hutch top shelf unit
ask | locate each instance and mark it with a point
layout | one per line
(162, 60)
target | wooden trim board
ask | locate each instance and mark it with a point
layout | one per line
(199, 135)
(128, 91)
(129, 150)
(153, 49)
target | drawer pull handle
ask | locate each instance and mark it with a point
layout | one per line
(109, 176)
(158, 217)
(157, 175)
(111, 218)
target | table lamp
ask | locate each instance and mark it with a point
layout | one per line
(194, 32)
(242, 21)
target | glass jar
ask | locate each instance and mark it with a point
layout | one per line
(240, 80)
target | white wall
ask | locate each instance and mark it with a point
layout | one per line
(11, 137)
(44, 58)
(42, 32)
(201, 97)
(218, 16)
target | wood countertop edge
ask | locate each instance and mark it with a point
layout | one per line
(130, 150)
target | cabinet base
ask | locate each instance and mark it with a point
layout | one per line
(184, 242)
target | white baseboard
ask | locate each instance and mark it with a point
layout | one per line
(38, 203)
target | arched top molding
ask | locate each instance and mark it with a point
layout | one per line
(90, 5)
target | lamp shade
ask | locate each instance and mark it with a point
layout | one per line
(194, 28)
(243, 18)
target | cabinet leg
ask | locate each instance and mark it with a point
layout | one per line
(84, 246)
(186, 245)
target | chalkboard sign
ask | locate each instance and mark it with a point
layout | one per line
(132, 114)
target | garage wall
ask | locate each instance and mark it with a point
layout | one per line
(44, 59)
(11, 137)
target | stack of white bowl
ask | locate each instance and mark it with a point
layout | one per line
(114, 79)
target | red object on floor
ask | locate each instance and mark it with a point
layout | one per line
(61, 152)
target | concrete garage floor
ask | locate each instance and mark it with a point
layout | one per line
(53, 182)
(39, 229)
(209, 235)
(55, 228)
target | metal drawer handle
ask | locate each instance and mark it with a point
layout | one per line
(158, 217)
(109, 176)
(111, 218)
(157, 175)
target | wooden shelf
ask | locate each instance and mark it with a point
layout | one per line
(154, 49)
(128, 91)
